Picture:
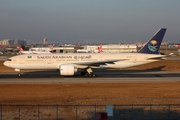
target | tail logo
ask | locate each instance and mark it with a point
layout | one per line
(153, 45)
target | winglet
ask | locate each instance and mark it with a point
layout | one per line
(153, 45)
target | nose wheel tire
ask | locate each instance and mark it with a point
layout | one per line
(19, 74)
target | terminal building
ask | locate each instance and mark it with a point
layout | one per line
(115, 48)
(56, 49)
(111, 48)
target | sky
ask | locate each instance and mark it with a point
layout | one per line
(89, 21)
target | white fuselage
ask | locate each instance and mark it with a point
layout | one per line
(53, 61)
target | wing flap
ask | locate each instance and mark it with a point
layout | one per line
(98, 63)
(156, 57)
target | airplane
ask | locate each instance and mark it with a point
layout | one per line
(99, 50)
(34, 52)
(70, 63)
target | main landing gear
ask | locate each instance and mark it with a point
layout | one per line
(88, 73)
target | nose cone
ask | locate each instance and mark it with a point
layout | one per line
(6, 63)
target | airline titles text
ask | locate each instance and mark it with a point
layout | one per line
(65, 57)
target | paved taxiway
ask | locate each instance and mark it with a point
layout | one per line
(102, 77)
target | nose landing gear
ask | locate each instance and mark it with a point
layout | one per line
(18, 70)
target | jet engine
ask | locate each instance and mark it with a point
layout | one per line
(67, 69)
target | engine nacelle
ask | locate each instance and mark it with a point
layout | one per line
(67, 69)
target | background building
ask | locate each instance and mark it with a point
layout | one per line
(20, 42)
(7, 42)
(12, 42)
(45, 41)
(113, 48)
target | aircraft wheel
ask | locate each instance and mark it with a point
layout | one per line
(19, 74)
(86, 75)
(93, 75)
(90, 75)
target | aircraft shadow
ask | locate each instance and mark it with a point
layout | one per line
(152, 72)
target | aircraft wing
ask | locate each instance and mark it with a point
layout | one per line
(98, 63)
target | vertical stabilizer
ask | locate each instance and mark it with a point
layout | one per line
(21, 49)
(100, 49)
(153, 45)
(52, 48)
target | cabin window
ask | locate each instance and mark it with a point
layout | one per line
(29, 56)
(8, 60)
(129, 56)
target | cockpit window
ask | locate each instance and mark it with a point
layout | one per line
(8, 60)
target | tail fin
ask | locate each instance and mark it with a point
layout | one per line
(52, 47)
(21, 49)
(100, 48)
(153, 45)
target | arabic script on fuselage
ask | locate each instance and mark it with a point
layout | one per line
(65, 57)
